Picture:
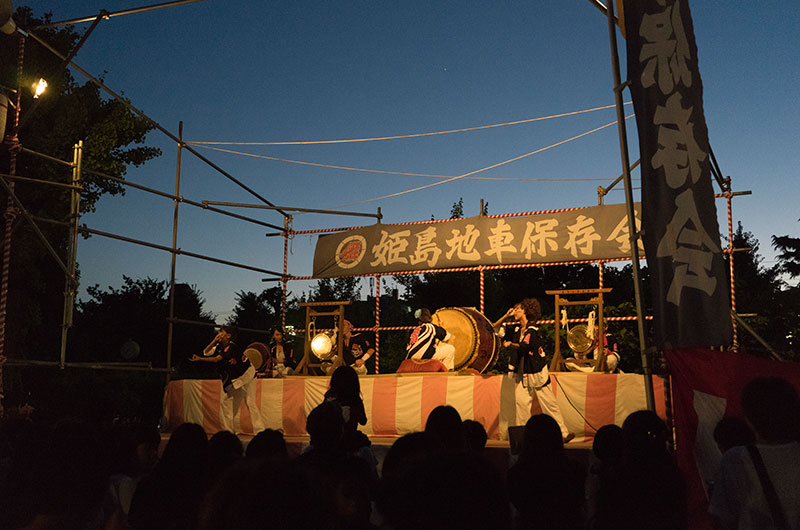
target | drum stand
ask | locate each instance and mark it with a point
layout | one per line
(599, 362)
(334, 309)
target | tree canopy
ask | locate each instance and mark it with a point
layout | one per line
(138, 312)
(789, 254)
(69, 111)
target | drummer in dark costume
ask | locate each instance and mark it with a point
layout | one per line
(428, 341)
(238, 379)
(357, 349)
(528, 364)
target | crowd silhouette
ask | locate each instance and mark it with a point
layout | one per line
(70, 475)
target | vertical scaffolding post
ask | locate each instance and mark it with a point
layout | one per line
(70, 282)
(632, 231)
(284, 279)
(729, 199)
(11, 212)
(600, 274)
(480, 271)
(377, 323)
(176, 203)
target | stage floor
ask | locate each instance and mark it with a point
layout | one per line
(398, 404)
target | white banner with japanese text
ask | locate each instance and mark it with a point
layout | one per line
(582, 234)
(681, 233)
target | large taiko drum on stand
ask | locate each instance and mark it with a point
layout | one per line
(475, 342)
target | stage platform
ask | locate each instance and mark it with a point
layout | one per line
(397, 404)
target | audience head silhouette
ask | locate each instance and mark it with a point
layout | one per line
(770, 404)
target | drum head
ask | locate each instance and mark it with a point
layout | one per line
(464, 332)
(257, 353)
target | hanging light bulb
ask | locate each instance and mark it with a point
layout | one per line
(39, 87)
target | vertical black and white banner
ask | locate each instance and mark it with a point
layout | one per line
(681, 233)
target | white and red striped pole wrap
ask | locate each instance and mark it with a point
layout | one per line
(11, 212)
(480, 271)
(377, 323)
(729, 198)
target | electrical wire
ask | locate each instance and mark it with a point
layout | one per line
(329, 166)
(403, 136)
(566, 396)
(365, 170)
(465, 175)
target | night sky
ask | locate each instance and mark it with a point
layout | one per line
(276, 71)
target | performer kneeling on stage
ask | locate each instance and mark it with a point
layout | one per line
(528, 365)
(238, 379)
(281, 355)
(357, 351)
(428, 341)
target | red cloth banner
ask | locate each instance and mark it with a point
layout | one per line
(706, 385)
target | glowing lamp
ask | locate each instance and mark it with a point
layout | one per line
(322, 345)
(39, 87)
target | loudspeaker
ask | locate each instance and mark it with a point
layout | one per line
(515, 435)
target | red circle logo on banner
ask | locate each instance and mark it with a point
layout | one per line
(351, 251)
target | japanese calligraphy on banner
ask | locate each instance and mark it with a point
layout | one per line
(681, 234)
(598, 232)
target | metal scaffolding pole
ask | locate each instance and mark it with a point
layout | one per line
(106, 14)
(127, 104)
(377, 324)
(177, 202)
(71, 282)
(11, 211)
(284, 279)
(728, 199)
(632, 231)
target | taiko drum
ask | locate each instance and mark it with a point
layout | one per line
(475, 342)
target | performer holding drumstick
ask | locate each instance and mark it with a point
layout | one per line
(528, 364)
(357, 349)
(238, 378)
(428, 341)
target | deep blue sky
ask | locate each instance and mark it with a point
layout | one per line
(315, 70)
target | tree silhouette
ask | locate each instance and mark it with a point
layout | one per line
(767, 308)
(137, 312)
(260, 311)
(789, 256)
(68, 112)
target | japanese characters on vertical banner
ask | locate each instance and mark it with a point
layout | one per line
(681, 233)
(584, 234)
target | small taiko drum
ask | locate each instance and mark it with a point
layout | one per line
(475, 342)
(258, 354)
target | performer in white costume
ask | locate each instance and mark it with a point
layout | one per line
(429, 341)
